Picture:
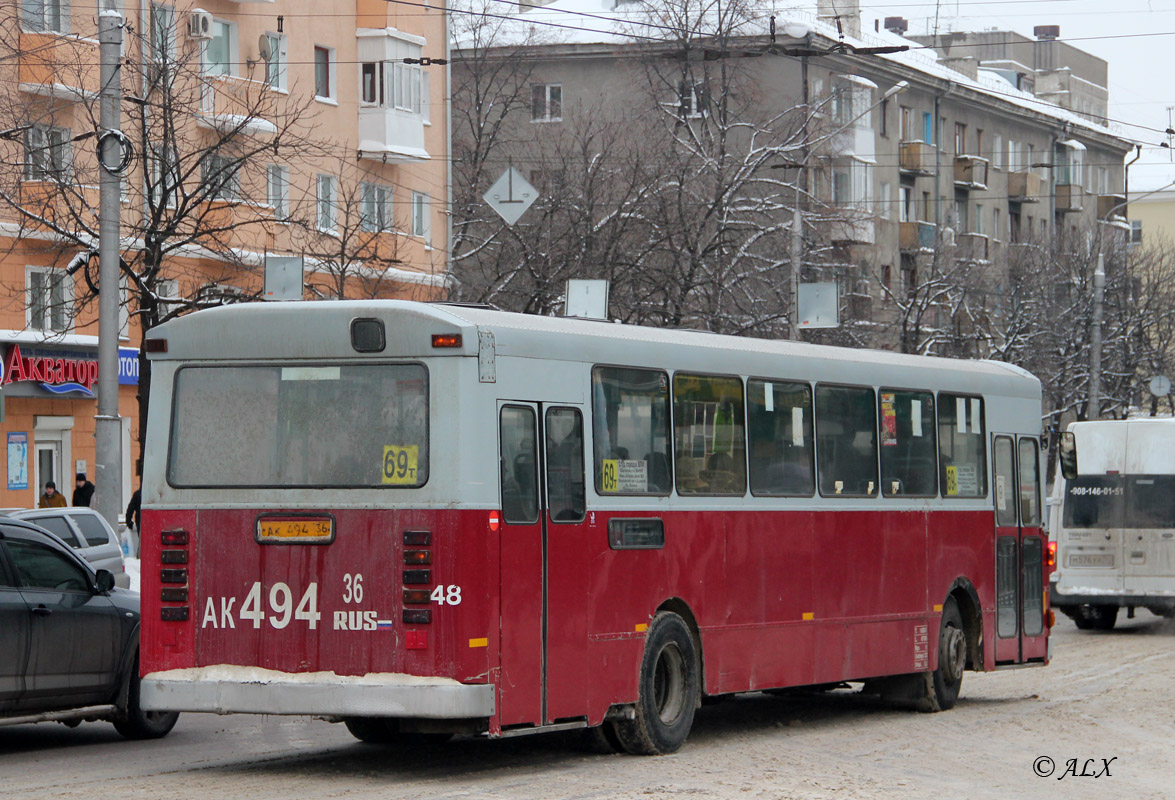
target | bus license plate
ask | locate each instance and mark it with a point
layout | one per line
(295, 530)
(1091, 560)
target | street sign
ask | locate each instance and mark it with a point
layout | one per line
(1160, 386)
(511, 195)
(284, 276)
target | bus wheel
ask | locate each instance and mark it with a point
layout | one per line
(668, 692)
(943, 684)
(601, 739)
(1097, 618)
(377, 730)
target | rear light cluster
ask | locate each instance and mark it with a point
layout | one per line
(1051, 556)
(417, 574)
(174, 578)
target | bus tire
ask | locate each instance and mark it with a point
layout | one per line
(1097, 618)
(668, 691)
(381, 730)
(601, 739)
(942, 684)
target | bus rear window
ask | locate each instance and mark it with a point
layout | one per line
(270, 426)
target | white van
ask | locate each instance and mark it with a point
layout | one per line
(1113, 525)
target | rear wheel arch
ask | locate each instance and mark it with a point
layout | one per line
(679, 607)
(967, 601)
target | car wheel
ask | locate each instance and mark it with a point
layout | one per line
(140, 724)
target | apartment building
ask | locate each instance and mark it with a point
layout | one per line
(252, 132)
(906, 157)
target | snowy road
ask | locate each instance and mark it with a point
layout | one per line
(1107, 697)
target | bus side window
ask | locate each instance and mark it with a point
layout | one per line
(779, 430)
(962, 446)
(708, 430)
(565, 481)
(907, 444)
(630, 430)
(846, 440)
(520, 500)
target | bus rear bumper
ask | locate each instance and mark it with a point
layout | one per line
(228, 689)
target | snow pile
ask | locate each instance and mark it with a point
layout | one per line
(233, 673)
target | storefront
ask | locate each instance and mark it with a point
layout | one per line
(47, 423)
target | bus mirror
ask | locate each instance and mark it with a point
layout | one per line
(1068, 452)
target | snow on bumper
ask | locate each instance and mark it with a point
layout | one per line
(228, 689)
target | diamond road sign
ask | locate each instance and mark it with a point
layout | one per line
(511, 195)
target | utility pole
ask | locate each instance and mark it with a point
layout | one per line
(1093, 411)
(108, 427)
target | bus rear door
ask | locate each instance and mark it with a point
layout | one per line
(1020, 551)
(541, 466)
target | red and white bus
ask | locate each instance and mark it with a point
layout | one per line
(427, 519)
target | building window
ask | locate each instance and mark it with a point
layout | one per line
(324, 73)
(219, 175)
(275, 67)
(690, 99)
(420, 215)
(1135, 231)
(927, 127)
(905, 126)
(546, 102)
(220, 50)
(45, 15)
(980, 221)
(163, 186)
(997, 151)
(883, 113)
(377, 208)
(48, 152)
(852, 183)
(163, 40)
(406, 87)
(277, 179)
(885, 202)
(327, 203)
(371, 80)
(995, 224)
(48, 296)
(905, 199)
(960, 139)
(961, 212)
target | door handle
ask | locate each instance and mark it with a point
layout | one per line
(42, 611)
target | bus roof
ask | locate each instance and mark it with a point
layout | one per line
(320, 329)
(1141, 446)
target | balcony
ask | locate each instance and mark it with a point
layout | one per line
(851, 231)
(913, 236)
(971, 172)
(56, 65)
(236, 105)
(1069, 197)
(1024, 187)
(391, 136)
(916, 158)
(971, 247)
(1108, 204)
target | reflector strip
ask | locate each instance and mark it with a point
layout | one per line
(642, 627)
(809, 615)
(937, 607)
(479, 642)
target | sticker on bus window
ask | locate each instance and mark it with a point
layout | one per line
(952, 480)
(608, 471)
(889, 421)
(916, 418)
(399, 467)
(797, 426)
(768, 398)
(1001, 493)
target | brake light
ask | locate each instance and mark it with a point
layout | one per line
(177, 540)
(417, 577)
(1051, 558)
(446, 340)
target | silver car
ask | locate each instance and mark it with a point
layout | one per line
(85, 531)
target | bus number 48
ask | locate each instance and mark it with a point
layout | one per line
(446, 595)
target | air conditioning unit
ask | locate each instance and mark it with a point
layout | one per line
(199, 24)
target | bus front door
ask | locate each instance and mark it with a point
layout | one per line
(1019, 548)
(541, 454)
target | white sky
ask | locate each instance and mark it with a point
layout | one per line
(1140, 59)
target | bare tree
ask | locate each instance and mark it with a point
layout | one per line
(195, 146)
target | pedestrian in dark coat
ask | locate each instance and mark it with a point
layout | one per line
(84, 492)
